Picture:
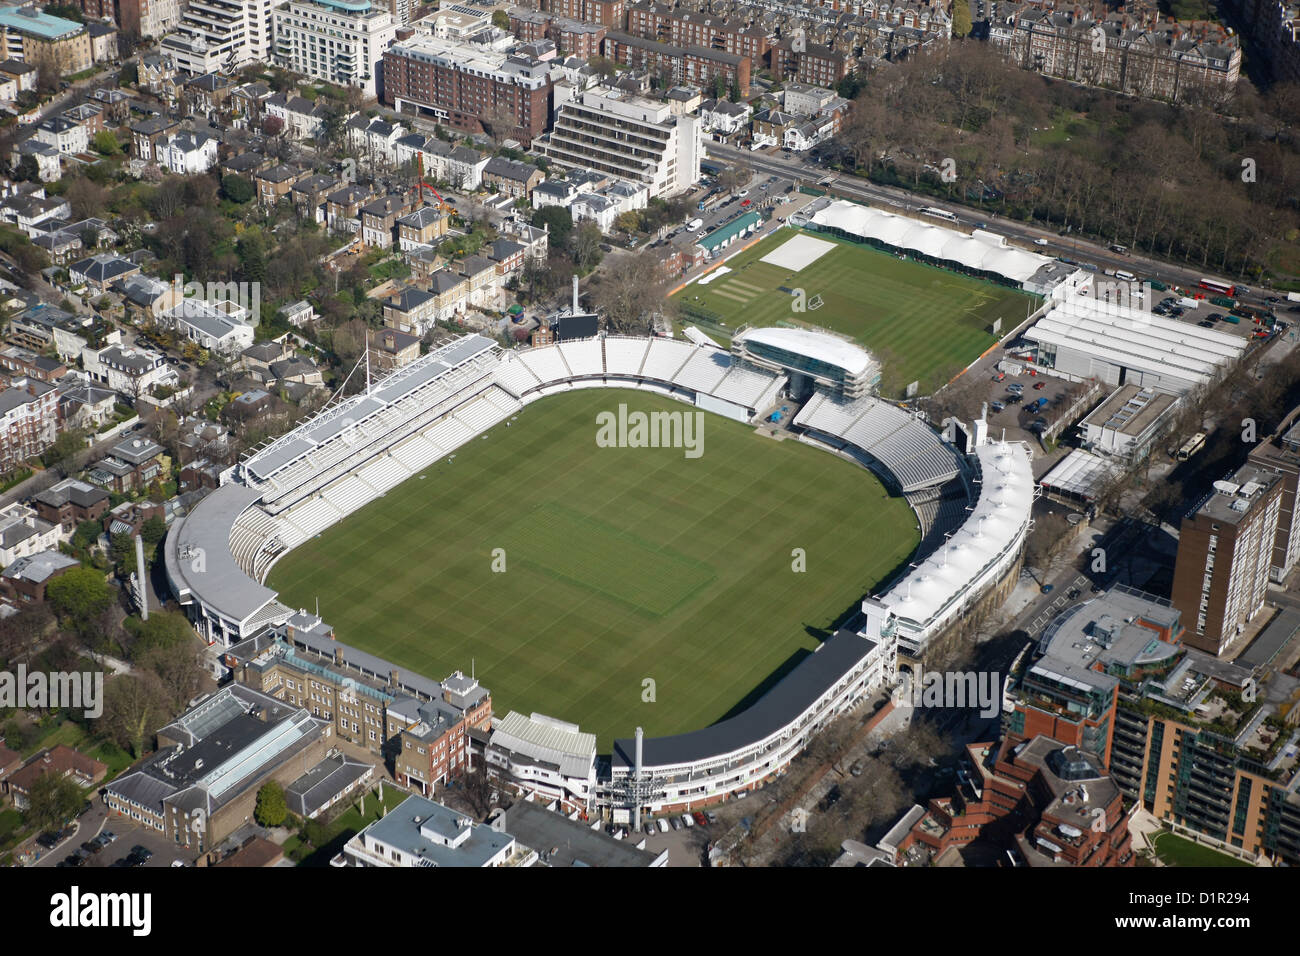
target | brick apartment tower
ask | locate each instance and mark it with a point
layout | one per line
(1225, 550)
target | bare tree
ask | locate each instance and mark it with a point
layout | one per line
(628, 292)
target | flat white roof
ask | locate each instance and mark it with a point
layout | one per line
(1078, 473)
(1006, 494)
(980, 249)
(814, 345)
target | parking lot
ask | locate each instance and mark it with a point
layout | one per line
(1028, 400)
(129, 834)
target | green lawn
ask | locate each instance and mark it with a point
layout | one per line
(922, 323)
(621, 564)
(1174, 850)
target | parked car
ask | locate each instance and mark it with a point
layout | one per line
(674, 823)
(1073, 593)
(663, 825)
(700, 818)
(1015, 398)
(50, 839)
(91, 847)
(856, 769)
(687, 820)
(143, 854)
(1015, 388)
(1047, 588)
(711, 816)
(1039, 386)
(1040, 242)
(743, 193)
(997, 406)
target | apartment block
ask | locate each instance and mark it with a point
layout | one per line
(641, 140)
(1281, 453)
(1225, 552)
(465, 85)
(338, 41)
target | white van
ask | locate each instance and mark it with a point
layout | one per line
(1125, 276)
(694, 225)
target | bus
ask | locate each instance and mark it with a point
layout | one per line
(1222, 288)
(939, 213)
(1191, 446)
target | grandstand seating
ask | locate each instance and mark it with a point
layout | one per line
(417, 453)
(665, 358)
(514, 376)
(624, 356)
(545, 363)
(349, 494)
(744, 387)
(384, 472)
(311, 517)
(704, 369)
(584, 357)
(908, 449)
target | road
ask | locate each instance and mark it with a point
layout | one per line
(793, 167)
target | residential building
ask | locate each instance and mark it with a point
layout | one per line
(1225, 552)
(148, 133)
(31, 35)
(393, 349)
(379, 220)
(630, 137)
(339, 41)
(276, 183)
(222, 326)
(817, 64)
(24, 580)
(413, 311)
(302, 118)
(510, 177)
(148, 18)
(65, 135)
(70, 502)
(202, 783)
(374, 140)
(48, 158)
(130, 466)
(432, 736)
(187, 153)
(1141, 56)
(1280, 453)
(672, 64)
(724, 117)
(23, 533)
(103, 41)
(29, 421)
(61, 761)
(220, 36)
(420, 832)
(422, 228)
(101, 270)
(131, 370)
(464, 85)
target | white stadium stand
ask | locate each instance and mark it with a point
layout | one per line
(514, 376)
(546, 363)
(704, 370)
(584, 357)
(665, 359)
(624, 356)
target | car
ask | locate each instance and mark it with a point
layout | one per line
(108, 836)
(674, 823)
(91, 847)
(76, 858)
(1039, 386)
(617, 836)
(1243, 290)
(663, 825)
(832, 797)
(998, 406)
(743, 193)
(50, 839)
(1205, 324)
(141, 853)
(1214, 317)
(1015, 398)
(710, 816)
(700, 818)
(1047, 588)
(1015, 388)
(1073, 593)
(856, 769)
(1040, 242)
(747, 202)
(764, 186)
(687, 820)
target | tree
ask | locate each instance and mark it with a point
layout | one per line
(237, 189)
(273, 126)
(271, 809)
(961, 23)
(52, 801)
(27, 170)
(558, 220)
(628, 292)
(133, 705)
(105, 143)
(178, 667)
(153, 531)
(501, 19)
(122, 550)
(734, 177)
(65, 450)
(79, 595)
(129, 75)
(585, 241)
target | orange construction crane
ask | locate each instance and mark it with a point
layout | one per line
(421, 186)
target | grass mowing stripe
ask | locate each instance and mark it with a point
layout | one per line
(409, 576)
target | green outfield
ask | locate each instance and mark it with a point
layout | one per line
(923, 323)
(621, 565)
